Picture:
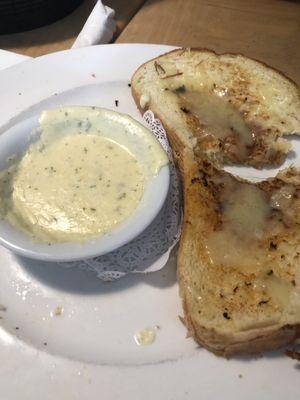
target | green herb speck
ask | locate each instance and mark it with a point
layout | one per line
(122, 196)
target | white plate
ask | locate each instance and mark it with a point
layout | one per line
(8, 58)
(90, 351)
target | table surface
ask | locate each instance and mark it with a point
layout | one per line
(268, 30)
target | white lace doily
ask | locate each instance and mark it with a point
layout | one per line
(150, 250)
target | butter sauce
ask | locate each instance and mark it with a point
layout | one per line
(245, 212)
(217, 118)
(249, 219)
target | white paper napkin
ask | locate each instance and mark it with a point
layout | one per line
(99, 27)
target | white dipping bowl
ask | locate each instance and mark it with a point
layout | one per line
(14, 142)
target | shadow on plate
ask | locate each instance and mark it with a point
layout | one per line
(269, 355)
(75, 280)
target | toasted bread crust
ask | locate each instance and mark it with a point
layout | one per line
(200, 49)
(250, 341)
(265, 149)
(220, 54)
(176, 144)
(221, 342)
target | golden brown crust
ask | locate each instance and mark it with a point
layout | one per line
(176, 144)
(243, 55)
(265, 149)
(221, 54)
(244, 342)
(249, 341)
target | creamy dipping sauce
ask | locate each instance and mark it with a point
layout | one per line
(73, 186)
(77, 187)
